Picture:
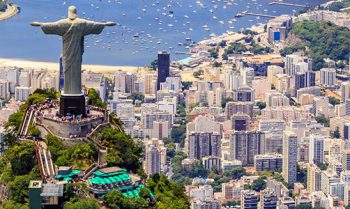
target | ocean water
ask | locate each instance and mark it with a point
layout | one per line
(144, 27)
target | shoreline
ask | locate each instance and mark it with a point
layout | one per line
(11, 11)
(53, 66)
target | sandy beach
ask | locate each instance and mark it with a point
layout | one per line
(11, 11)
(52, 66)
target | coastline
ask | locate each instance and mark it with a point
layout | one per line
(53, 66)
(11, 11)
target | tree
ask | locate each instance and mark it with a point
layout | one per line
(15, 120)
(217, 64)
(336, 6)
(214, 54)
(178, 134)
(323, 166)
(48, 93)
(21, 157)
(116, 200)
(94, 99)
(291, 49)
(9, 139)
(78, 155)
(225, 100)
(333, 101)
(137, 97)
(19, 189)
(167, 193)
(34, 132)
(302, 176)
(303, 206)
(261, 105)
(259, 184)
(324, 40)
(235, 173)
(78, 203)
(336, 133)
(323, 120)
(12, 204)
(154, 64)
(186, 84)
(198, 73)
(197, 170)
(122, 150)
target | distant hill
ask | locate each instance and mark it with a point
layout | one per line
(3, 6)
(323, 40)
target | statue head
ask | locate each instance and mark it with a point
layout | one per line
(72, 12)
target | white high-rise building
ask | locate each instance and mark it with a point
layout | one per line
(328, 77)
(22, 93)
(171, 84)
(248, 76)
(125, 82)
(232, 80)
(289, 168)
(168, 104)
(155, 156)
(296, 63)
(345, 91)
(4, 89)
(316, 149)
(13, 78)
(25, 78)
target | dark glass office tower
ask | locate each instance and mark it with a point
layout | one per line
(163, 67)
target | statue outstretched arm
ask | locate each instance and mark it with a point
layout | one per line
(57, 28)
(96, 27)
(36, 24)
(109, 23)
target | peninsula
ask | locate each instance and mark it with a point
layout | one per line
(9, 11)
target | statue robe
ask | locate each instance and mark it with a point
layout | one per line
(72, 32)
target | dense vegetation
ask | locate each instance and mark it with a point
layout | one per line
(168, 193)
(95, 99)
(139, 97)
(79, 156)
(39, 95)
(17, 168)
(324, 40)
(291, 49)
(338, 5)
(122, 150)
(3, 6)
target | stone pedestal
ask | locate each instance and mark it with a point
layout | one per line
(72, 104)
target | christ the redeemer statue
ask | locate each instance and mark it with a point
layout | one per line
(72, 30)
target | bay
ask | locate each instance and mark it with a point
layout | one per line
(144, 27)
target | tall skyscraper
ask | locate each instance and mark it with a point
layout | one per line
(313, 178)
(345, 158)
(328, 77)
(316, 149)
(155, 156)
(163, 67)
(304, 79)
(4, 89)
(289, 169)
(61, 74)
(244, 145)
(201, 144)
(345, 91)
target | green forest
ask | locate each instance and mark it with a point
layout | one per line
(323, 40)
